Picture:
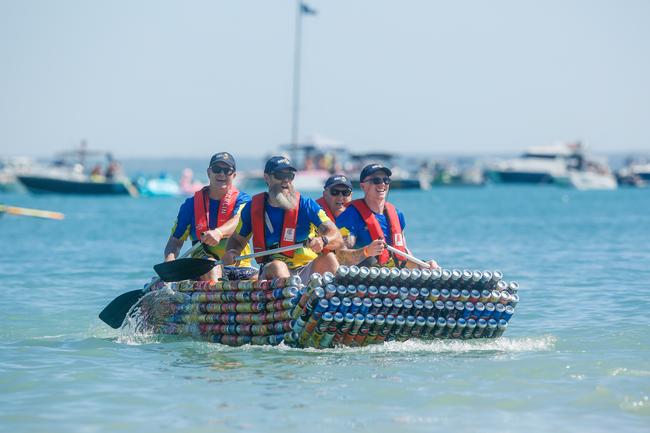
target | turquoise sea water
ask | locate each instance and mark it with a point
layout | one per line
(575, 357)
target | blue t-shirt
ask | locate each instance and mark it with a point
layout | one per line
(310, 217)
(351, 223)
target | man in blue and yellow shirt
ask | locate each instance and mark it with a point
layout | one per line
(369, 223)
(211, 215)
(282, 217)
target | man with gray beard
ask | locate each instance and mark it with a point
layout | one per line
(282, 217)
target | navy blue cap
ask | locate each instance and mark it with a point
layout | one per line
(338, 179)
(373, 168)
(277, 163)
(224, 157)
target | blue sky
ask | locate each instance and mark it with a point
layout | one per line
(188, 78)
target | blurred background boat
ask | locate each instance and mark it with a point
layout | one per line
(10, 167)
(68, 174)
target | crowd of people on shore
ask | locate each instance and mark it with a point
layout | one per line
(291, 234)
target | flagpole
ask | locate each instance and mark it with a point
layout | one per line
(296, 80)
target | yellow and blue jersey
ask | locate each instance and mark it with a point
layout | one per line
(310, 217)
(185, 224)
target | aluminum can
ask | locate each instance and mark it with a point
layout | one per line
(386, 305)
(374, 273)
(491, 329)
(341, 291)
(362, 291)
(344, 328)
(439, 309)
(507, 315)
(397, 307)
(489, 311)
(356, 305)
(429, 327)
(486, 280)
(403, 293)
(346, 303)
(469, 310)
(496, 277)
(366, 305)
(375, 330)
(299, 325)
(476, 278)
(383, 291)
(514, 299)
(386, 329)
(406, 330)
(330, 291)
(425, 276)
(350, 337)
(418, 308)
(454, 281)
(481, 324)
(368, 322)
(501, 328)
(459, 308)
(334, 304)
(394, 275)
(434, 279)
(364, 273)
(407, 307)
(404, 274)
(499, 309)
(464, 295)
(501, 286)
(384, 274)
(351, 291)
(416, 276)
(445, 278)
(466, 279)
(445, 295)
(474, 296)
(328, 278)
(315, 280)
(322, 326)
(424, 293)
(485, 296)
(417, 330)
(479, 310)
(393, 292)
(457, 332)
(513, 287)
(468, 332)
(397, 328)
(373, 292)
(451, 324)
(495, 295)
(413, 293)
(353, 274)
(377, 305)
(428, 308)
(441, 326)
(450, 309)
(434, 295)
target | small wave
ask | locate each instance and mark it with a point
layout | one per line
(629, 372)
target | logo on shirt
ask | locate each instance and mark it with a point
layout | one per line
(398, 240)
(289, 235)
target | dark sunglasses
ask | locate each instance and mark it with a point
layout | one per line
(225, 170)
(378, 180)
(343, 192)
(284, 176)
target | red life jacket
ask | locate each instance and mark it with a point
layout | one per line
(202, 209)
(375, 231)
(288, 235)
(321, 201)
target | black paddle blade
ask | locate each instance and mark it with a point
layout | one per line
(184, 269)
(115, 312)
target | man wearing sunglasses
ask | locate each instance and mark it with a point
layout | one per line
(211, 215)
(337, 194)
(368, 224)
(282, 217)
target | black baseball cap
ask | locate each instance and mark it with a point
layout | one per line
(373, 168)
(224, 157)
(338, 179)
(277, 163)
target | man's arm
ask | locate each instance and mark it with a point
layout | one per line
(329, 235)
(172, 248)
(214, 236)
(236, 244)
(356, 256)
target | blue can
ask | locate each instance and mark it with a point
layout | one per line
(351, 291)
(460, 327)
(430, 326)
(397, 307)
(383, 291)
(386, 306)
(424, 293)
(489, 311)
(356, 305)
(346, 304)
(373, 292)
(508, 313)
(479, 310)
(334, 304)
(491, 329)
(416, 332)
(469, 310)
(441, 325)
(366, 305)
(451, 324)
(393, 292)
(499, 309)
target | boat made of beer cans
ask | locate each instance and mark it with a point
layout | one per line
(356, 306)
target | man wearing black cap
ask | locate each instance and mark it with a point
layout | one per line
(211, 215)
(337, 194)
(282, 217)
(368, 224)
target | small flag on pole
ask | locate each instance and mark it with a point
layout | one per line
(307, 10)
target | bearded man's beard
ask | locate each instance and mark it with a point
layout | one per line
(285, 197)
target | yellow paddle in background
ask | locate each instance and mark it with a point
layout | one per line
(23, 211)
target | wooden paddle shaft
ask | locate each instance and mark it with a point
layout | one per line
(23, 211)
(408, 256)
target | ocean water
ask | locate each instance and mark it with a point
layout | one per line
(575, 357)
